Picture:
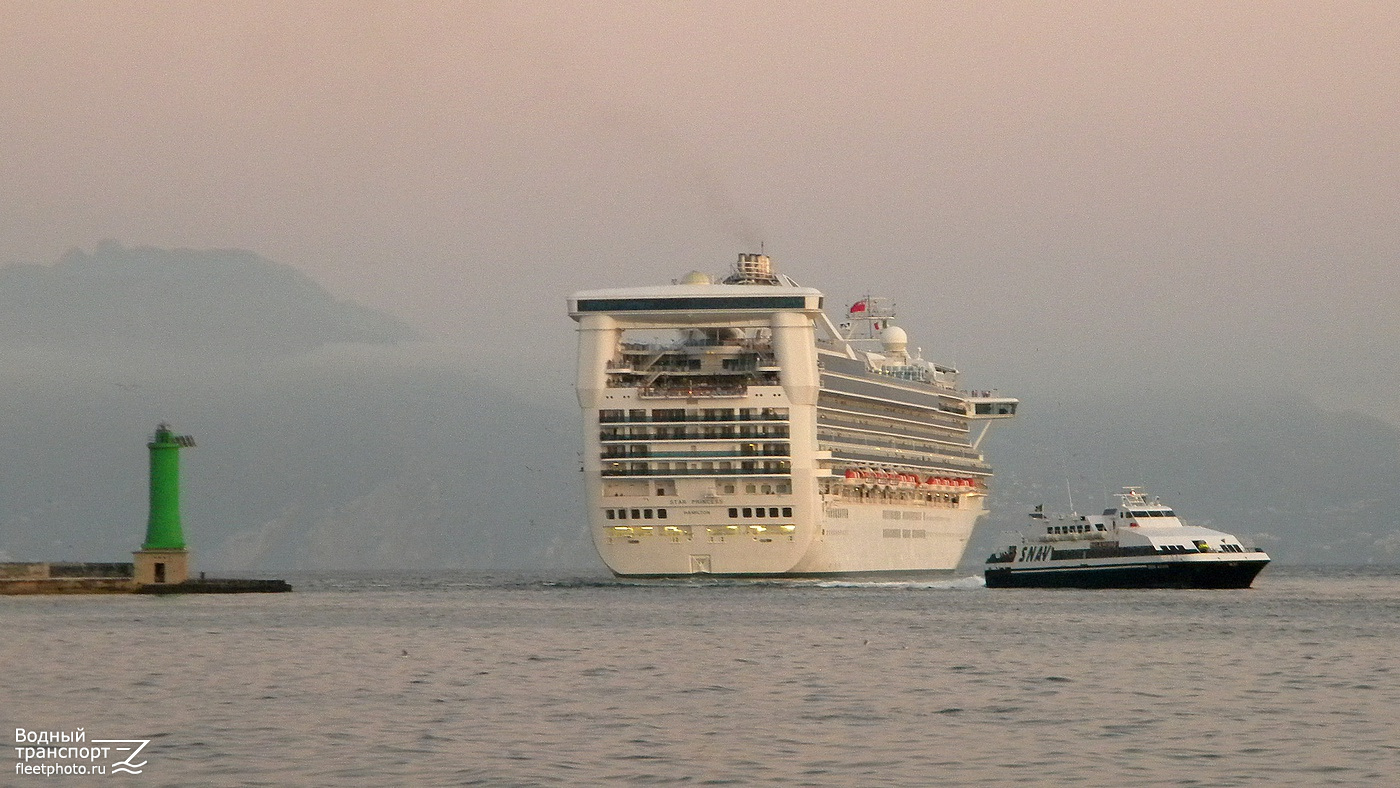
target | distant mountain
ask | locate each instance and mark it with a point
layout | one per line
(1308, 485)
(181, 301)
(326, 440)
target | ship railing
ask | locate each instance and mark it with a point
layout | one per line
(690, 392)
(613, 434)
(625, 418)
(685, 455)
(826, 437)
(697, 472)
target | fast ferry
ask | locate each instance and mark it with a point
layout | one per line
(1139, 544)
(731, 428)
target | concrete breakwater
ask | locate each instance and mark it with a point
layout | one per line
(40, 577)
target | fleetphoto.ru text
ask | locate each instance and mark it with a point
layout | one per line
(49, 753)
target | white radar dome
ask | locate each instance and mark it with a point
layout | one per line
(894, 339)
(696, 278)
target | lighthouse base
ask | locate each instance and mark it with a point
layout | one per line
(159, 567)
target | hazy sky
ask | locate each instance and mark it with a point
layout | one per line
(1059, 194)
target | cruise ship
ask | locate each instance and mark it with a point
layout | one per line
(731, 428)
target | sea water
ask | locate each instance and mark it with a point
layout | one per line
(454, 679)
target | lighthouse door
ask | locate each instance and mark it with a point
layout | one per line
(160, 571)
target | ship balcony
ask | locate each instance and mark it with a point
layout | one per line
(680, 416)
(697, 391)
(613, 435)
(686, 455)
(746, 472)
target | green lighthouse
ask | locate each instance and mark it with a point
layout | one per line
(163, 557)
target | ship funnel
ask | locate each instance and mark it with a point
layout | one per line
(752, 269)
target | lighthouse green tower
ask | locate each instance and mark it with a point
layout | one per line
(163, 557)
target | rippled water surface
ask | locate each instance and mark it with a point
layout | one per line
(469, 680)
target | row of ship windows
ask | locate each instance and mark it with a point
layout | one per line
(696, 468)
(837, 420)
(747, 512)
(905, 533)
(637, 514)
(612, 415)
(833, 399)
(759, 489)
(772, 511)
(1199, 547)
(1073, 529)
(744, 450)
(750, 362)
(859, 493)
(696, 434)
(926, 447)
(712, 530)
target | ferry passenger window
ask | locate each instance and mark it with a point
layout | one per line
(787, 511)
(611, 514)
(773, 512)
(622, 514)
(661, 514)
(748, 512)
(733, 513)
(647, 513)
(636, 514)
(1100, 526)
(758, 512)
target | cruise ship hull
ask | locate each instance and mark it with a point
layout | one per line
(858, 541)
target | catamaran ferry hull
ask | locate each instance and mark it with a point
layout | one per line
(1178, 573)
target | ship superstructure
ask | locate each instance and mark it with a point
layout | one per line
(731, 428)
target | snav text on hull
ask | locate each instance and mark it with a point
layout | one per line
(731, 428)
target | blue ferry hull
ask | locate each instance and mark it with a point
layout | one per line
(1164, 574)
